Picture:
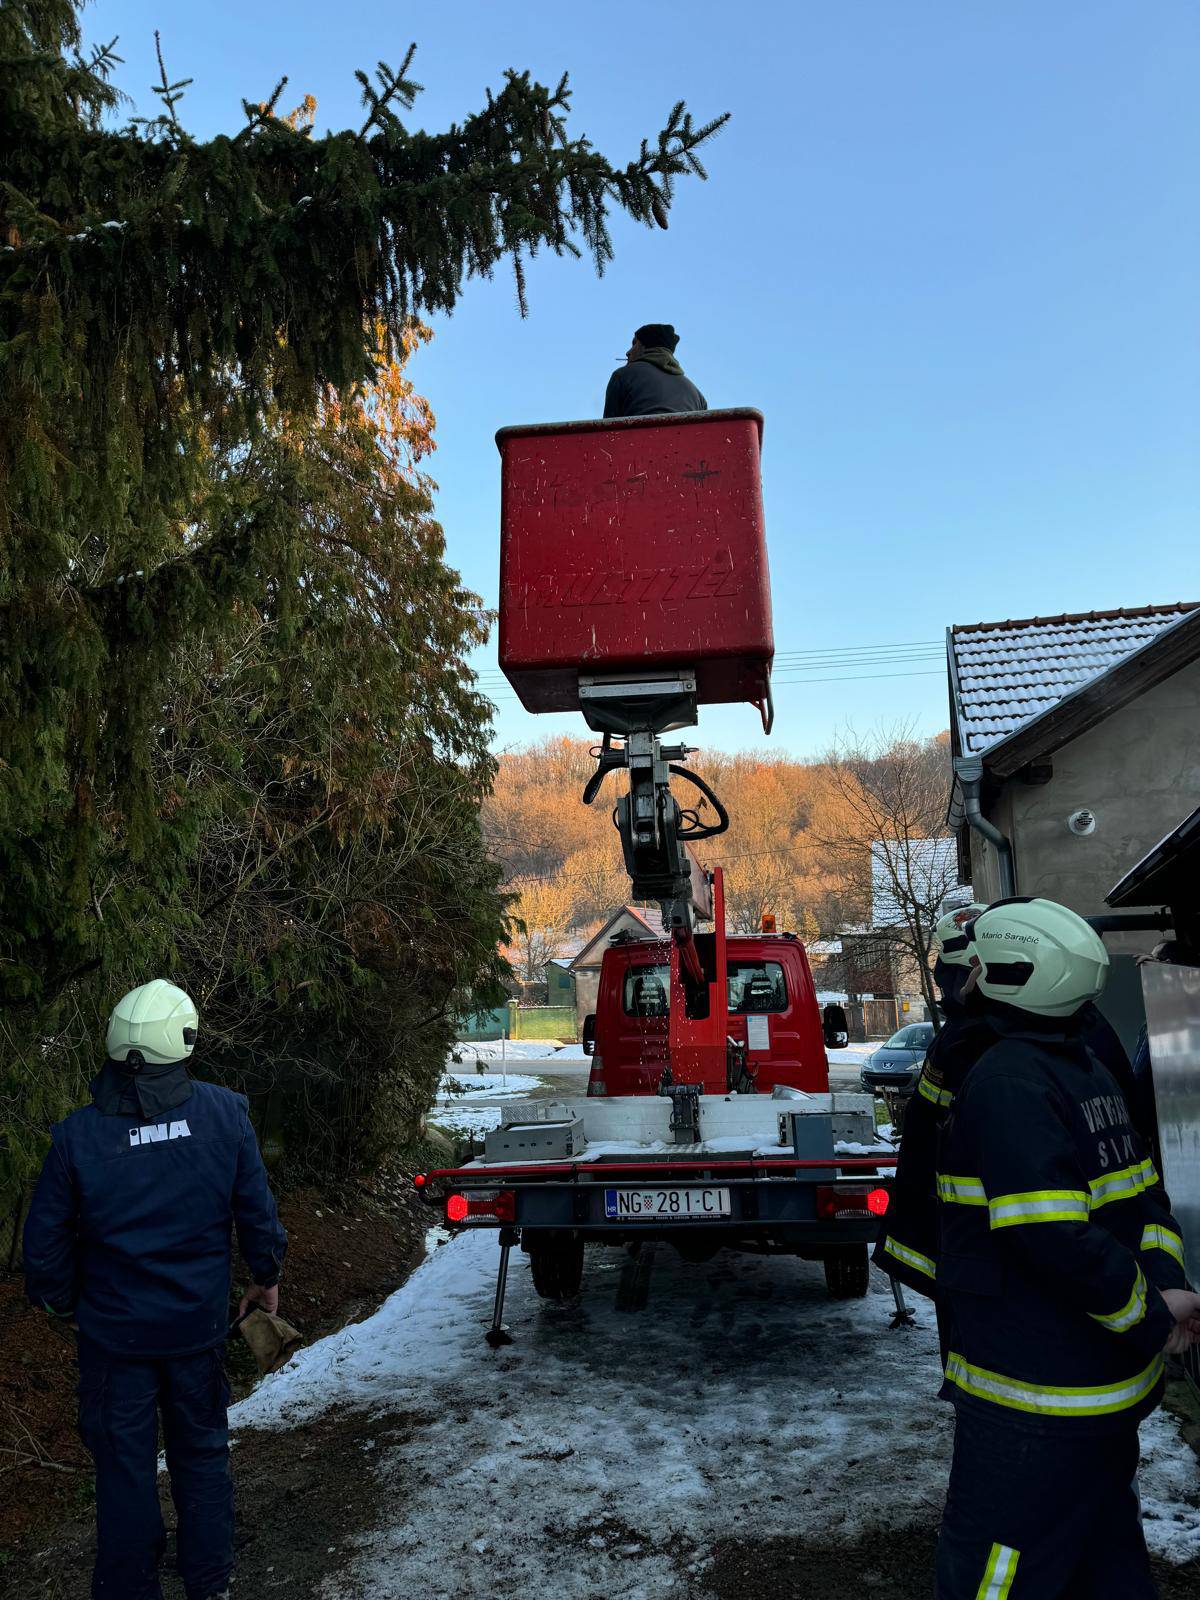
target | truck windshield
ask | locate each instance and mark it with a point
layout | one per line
(754, 987)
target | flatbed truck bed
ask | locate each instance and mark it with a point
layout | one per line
(740, 1189)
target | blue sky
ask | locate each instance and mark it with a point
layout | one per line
(949, 250)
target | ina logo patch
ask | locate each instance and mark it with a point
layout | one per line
(159, 1132)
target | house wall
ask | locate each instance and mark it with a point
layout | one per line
(1138, 771)
(587, 987)
(586, 966)
(560, 988)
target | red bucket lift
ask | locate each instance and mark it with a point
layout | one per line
(633, 565)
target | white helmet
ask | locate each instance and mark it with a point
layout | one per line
(951, 937)
(153, 1025)
(1039, 956)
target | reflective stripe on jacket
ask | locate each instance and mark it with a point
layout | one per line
(1054, 1231)
(908, 1243)
(907, 1246)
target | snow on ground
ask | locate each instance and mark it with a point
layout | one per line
(463, 1120)
(462, 1085)
(1169, 1481)
(606, 1449)
(853, 1055)
(467, 1050)
(741, 1399)
(458, 1110)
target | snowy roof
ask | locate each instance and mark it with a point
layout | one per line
(1009, 673)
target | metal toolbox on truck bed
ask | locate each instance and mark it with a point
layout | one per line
(537, 1140)
(634, 543)
(853, 1117)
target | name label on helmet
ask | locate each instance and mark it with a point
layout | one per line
(153, 1132)
(1008, 937)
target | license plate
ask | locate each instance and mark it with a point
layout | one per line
(665, 1205)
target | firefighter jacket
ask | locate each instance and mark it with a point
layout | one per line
(1055, 1236)
(907, 1246)
(129, 1230)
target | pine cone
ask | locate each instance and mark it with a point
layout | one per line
(659, 210)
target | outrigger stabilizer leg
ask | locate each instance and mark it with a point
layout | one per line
(498, 1334)
(904, 1317)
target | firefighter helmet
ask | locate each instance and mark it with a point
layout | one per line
(1038, 956)
(152, 1025)
(951, 936)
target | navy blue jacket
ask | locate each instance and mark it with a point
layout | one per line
(907, 1246)
(1056, 1236)
(908, 1243)
(130, 1226)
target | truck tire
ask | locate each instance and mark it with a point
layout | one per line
(848, 1272)
(557, 1267)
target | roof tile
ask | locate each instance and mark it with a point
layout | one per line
(1009, 672)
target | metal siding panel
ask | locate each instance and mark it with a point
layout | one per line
(1173, 1020)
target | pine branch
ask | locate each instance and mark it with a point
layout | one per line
(169, 93)
(262, 113)
(103, 59)
(394, 86)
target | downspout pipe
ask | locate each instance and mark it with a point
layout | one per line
(969, 772)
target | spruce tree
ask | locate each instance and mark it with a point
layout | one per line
(164, 302)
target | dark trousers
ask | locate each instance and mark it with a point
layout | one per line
(1037, 1516)
(120, 1400)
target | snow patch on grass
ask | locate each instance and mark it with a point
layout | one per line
(464, 1085)
(464, 1120)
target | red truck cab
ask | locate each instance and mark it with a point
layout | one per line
(773, 1014)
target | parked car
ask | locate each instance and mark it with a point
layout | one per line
(897, 1064)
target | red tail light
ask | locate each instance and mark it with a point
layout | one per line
(850, 1200)
(462, 1207)
(420, 1179)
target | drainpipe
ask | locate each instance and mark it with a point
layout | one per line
(969, 772)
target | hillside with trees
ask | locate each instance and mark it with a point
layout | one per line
(800, 843)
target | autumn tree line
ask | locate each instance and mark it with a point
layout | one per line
(812, 842)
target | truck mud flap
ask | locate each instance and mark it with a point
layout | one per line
(633, 1290)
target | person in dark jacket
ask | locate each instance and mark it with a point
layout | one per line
(1063, 1272)
(128, 1240)
(651, 381)
(907, 1247)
